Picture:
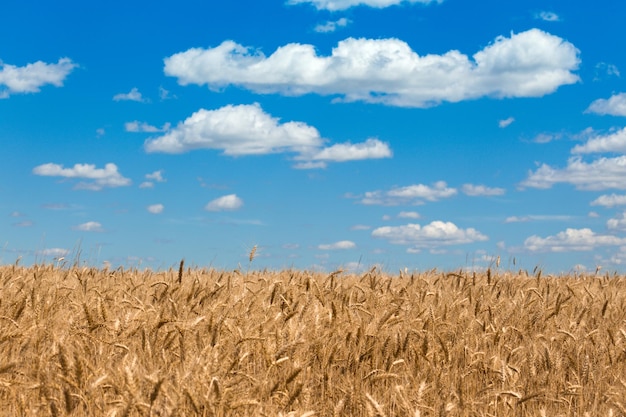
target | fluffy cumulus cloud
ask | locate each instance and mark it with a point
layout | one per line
(614, 105)
(481, 190)
(98, 178)
(610, 201)
(334, 5)
(332, 25)
(613, 142)
(434, 234)
(572, 240)
(600, 174)
(239, 130)
(343, 244)
(412, 194)
(155, 208)
(388, 71)
(31, 77)
(89, 227)
(228, 202)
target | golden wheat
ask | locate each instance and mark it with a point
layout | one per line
(88, 342)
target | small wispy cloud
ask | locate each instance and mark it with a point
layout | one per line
(132, 95)
(360, 227)
(538, 217)
(605, 70)
(409, 215)
(548, 16)
(481, 190)
(225, 203)
(137, 126)
(505, 122)
(89, 227)
(56, 252)
(332, 25)
(341, 245)
(25, 223)
(155, 208)
(156, 176)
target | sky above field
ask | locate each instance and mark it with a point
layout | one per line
(330, 134)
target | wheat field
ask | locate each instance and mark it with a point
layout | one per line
(79, 341)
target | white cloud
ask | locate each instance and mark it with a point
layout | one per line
(571, 240)
(89, 227)
(101, 177)
(481, 190)
(165, 94)
(617, 223)
(517, 219)
(409, 215)
(334, 5)
(343, 244)
(614, 105)
(540, 217)
(528, 64)
(506, 122)
(156, 176)
(600, 174)
(137, 126)
(547, 137)
(225, 203)
(437, 233)
(593, 215)
(55, 252)
(412, 194)
(155, 208)
(548, 16)
(603, 70)
(341, 152)
(237, 130)
(248, 130)
(310, 165)
(25, 223)
(360, 227)
(331, 25)
(30, 78)
(132, 95)
(610, 200)
(614, 142)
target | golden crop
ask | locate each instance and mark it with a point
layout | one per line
(186, 342)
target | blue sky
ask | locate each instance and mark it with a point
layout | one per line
(331, 133)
